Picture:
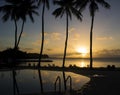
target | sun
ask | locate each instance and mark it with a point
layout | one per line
(82, 50)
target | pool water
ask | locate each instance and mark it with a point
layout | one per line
(31, 81)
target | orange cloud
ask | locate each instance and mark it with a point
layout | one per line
(72, 30)
(24, 34)
(55, 36)
(104, 38)
(36, 43)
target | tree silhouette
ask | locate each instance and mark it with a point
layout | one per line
(66, 7)
(45, 3)
(10, 11)
(93, 7)
(26, 8)
(18, 9)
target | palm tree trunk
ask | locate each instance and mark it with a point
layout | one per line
(20, 34)
(15, 33)
(91, 37)
(65, 41)
(42, 43)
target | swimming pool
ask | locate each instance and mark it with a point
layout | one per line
(35, 81)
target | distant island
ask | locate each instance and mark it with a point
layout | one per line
(11, 54)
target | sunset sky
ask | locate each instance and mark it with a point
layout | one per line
(106, 33)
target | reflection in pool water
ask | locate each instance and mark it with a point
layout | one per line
(28, 81)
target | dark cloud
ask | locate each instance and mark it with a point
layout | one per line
(60, 55)
(49, 49)
(108, 53)
(28, 49)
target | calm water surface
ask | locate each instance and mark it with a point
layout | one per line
(28, 81)
(82, 62)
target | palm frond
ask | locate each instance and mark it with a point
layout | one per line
(66, 7)
(103, 3)
(6, 17)
(56, 2)
(58, 12)
(46, 2)
(68, 12)
(93, 8)
(76, 13)
(31, 17)
(81, 4)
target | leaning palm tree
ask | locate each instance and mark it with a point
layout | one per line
(45, 4)
(66, 7)
(93, 7)
(10, 11)
(26, 8)
(18, 9)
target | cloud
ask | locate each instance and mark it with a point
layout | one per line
(113, 53)
(24, 34)
(72, 30)
(49, 49)
(36, 43)
(55, 36)
(31, 50)
(27, 49)
(104, 38)
(108, 53)
(45, 33)
(76, 37)
(69, 55)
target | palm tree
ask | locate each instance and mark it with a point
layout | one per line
(18, 9)
(66, 7)
(93, 7)
(45, 3)
(10, 11)
(26, 8)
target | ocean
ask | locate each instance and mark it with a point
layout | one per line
(98, 62)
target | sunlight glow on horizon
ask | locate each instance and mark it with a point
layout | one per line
(82, 50)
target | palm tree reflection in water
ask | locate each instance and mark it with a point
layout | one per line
(15, 85)
(64, 81)
(40, 79)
